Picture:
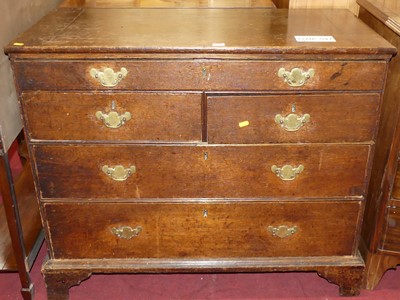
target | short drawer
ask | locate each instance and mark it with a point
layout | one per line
(391, 237)
(292, 118)
(113, 116)
(199, 74)
(201, 230)
(119, 172)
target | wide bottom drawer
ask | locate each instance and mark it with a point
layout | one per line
(201, 230)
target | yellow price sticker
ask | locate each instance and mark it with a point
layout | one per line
(244, 124)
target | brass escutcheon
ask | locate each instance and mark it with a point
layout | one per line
(292, 122)
(126, 232)
(296, 77)
(282, 231)
(118, 173)
(113, 119)
(107, 76)
(287, 172)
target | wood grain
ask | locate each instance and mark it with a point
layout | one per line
(380, 232)
(329, 123)
(62, 274)
(281, 3)
(154, 116)
(30, 221)
(168, 3)
(58, 284)
(377, 265)
(391, 237)
(183, 172)
(321, 3)
(230, 230)
(396, 184)
(196, 31)
(200, 74)
(386, 157)
(386, 11)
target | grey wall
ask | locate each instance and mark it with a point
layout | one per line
(15, 17)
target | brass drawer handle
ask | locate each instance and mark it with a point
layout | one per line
(292, 122)
(287, 172)
(126, 232)
(107, 76)
(118, 173)
(296, 77)
(282, 231)
(113, 119)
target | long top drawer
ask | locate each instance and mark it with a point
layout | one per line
(215, 75)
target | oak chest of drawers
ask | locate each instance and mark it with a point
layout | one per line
(212, 141)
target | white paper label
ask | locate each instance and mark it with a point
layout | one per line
(315, 39)
(218, 44)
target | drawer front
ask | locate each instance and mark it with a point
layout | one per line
(200, 172)
(292, 118)
(153, 117)
(126, 230)
(391, 238)
(232, 75)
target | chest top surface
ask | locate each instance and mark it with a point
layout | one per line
(79, 30)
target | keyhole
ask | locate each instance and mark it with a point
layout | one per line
(294, 107)
(205, 155)
(204, 71)
(113, 105)
(206, 74)
(205, 213)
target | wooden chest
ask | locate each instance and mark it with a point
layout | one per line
(200, 140)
